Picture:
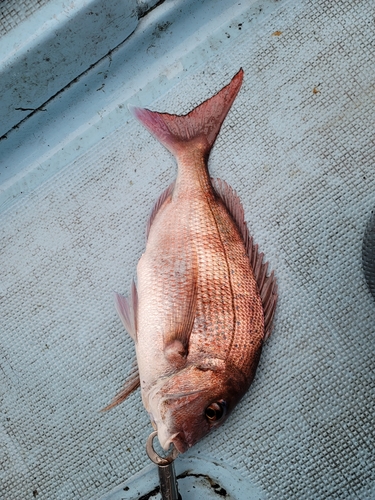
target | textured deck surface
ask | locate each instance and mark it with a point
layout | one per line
(298, 147)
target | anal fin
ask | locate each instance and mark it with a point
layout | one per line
(158, 204)
(127, 310)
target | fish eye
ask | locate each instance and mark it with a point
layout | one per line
(215, 411)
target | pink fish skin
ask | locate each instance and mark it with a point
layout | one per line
(204, 303)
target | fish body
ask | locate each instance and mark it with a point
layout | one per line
(203, 304)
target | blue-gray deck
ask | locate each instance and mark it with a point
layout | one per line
(78, 182)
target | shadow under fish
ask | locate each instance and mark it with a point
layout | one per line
(204, 301)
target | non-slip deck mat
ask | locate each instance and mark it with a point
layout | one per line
(298, 147)
(12, 12)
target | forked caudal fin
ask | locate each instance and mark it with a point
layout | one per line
(202, 124)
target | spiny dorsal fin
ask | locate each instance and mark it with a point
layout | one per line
(131, 384)
(158, 204)
(203, 123)
(127, 310)
(266, 284)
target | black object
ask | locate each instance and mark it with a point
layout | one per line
(168, 482)
(368, 253)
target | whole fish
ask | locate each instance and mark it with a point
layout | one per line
(204, 303)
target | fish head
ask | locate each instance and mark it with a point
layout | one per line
(193, 401)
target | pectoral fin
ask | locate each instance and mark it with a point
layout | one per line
(176, 338)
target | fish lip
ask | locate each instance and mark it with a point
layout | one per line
(180, 444)
(177, 439)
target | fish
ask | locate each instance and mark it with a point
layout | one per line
(204, 301)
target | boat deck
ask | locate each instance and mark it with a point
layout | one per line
(78, 178)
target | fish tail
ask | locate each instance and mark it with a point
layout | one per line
(200, 126)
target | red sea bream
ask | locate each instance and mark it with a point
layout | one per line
(203, 304)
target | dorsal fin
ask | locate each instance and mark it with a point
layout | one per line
(131, 384)
(159, 202)
(127, 310)
(202, 124)
(266, 284)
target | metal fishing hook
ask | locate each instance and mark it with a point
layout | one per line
(167, 475)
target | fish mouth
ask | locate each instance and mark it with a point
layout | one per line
(180, 444)
(176, 439)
